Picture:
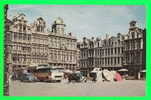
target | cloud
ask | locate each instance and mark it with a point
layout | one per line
(86, 20)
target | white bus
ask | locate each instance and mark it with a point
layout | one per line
(45, 72)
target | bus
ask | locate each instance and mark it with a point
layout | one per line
(50, 74)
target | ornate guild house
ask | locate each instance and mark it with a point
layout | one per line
(121, 52)
(31, 45)
(104, 53)
(62, 47)
(135, 50)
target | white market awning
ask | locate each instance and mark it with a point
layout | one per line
(143, 71)
(123, 70)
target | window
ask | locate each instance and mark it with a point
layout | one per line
(15, 36)
(24, 37)
(28, 37)
(119, 42)
(115, 61)
(111, 51)
(14, 59)
(20, 36)
(115, 50)
(118, 60)
(20, 27)
(24, 28)
(122, 50)
(119, 50)
(133, 35)
(38, 28)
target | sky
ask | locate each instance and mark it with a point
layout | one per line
(85, 20)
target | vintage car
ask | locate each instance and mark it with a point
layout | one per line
(56, 75)
(28, 77)
(75, 76)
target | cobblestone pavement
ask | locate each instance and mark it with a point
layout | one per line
(123, 88)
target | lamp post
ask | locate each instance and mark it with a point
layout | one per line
(6, 63)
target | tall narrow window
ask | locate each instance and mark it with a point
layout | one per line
(24, 28)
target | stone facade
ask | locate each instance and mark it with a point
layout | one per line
(62, 47)
(20, 36)
(115, 52)
(104, 53)
(39, 42)
(86, 55)
(112, 52)
(31, 44)
(135, 50)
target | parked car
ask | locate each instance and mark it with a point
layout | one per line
(28, 77)
(76, 76)
(56, 75)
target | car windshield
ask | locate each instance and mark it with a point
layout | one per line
(57, 69)
(54, 70)
(43, 70)
(29, 74)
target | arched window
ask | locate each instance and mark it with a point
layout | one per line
(133, 35)
(24, 28)
(38, 28)
(20, 27)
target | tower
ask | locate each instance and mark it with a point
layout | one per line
(132, 24)
(39, 25)
(58, 26)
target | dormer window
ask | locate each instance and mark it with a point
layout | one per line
(22, 17)
(132, 23)
(119, 41)
(24, 28)
(38, 28)
(133, 35)
(20, 27)
(40, 25)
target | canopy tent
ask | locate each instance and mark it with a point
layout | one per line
(143, 71)
(108, 75)
(123, 70)
(118, 77)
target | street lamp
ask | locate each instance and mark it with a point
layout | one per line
(6, 63)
